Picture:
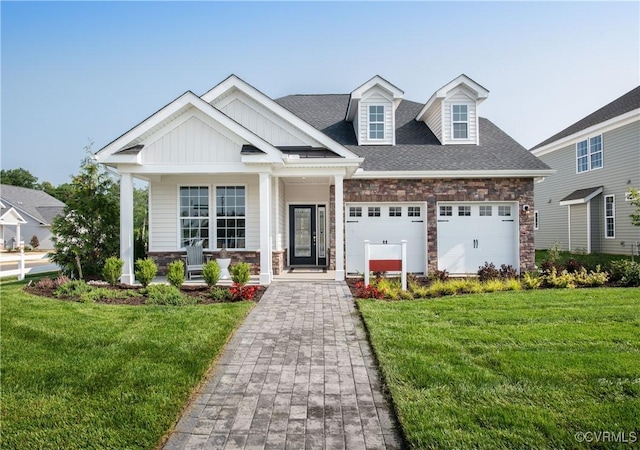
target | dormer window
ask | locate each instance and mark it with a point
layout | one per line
(376, 122)
(460, 121)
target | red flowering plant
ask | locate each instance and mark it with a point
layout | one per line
(240, 292)
(368, 291)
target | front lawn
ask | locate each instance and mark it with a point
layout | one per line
(526, 369)
(80, 375)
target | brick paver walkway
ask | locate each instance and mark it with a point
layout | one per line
(298, 374)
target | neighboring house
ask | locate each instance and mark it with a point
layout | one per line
(584, 206)
(305, 179)
(36, 208)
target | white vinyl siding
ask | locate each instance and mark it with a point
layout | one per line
(193, 139)
(164, 218)
(609, 216)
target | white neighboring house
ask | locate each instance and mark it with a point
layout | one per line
(33, 209)
(584, 206)
(303, 180)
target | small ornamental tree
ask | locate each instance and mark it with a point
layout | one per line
(88, 230)
(34, 242)
(634, 199)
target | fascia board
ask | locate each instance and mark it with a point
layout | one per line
(234, 82)
(580, 201)
(399, 174)
(600, 128)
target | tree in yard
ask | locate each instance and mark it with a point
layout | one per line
(634, 199)
(19, 177)
(88, 230)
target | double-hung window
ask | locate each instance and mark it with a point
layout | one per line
(376, 122)
(231, 216)
(194, 215)
(460, 121)
(589, 154)
(609, 216)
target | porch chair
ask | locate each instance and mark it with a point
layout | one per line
(195, 259)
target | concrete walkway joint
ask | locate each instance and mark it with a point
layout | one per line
(298, 374)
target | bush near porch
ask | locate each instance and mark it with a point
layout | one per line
(511, 369)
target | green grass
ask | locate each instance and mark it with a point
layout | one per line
(99, 376)
(511, 369)
(590, 260)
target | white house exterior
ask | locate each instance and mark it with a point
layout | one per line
(584, 206)
(35, 213)
(303, 180)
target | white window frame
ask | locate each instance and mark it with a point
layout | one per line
(455, 122)
(395, 211)
(482, 211)
(374, 211)
(502, 211)
(246, 210)
(414, 211)
(355, 211)
(590, 153)
(180, 217)
(376, 122)
(612, 216)
(464, 211)
(445, 211)
(536, 220)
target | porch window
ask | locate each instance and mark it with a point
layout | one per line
(230, 217)
(194, 215)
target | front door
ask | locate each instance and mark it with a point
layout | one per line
(303, 235)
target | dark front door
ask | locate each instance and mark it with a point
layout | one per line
(302, 234)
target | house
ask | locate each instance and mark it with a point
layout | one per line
(303, 180)
(584, 206)
(34, 210)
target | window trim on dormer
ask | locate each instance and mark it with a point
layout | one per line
(456, 122)
(370, 122)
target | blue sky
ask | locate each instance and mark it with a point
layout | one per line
(76, 72)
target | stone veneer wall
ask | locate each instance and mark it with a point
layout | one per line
(446, 189)
(162, 259)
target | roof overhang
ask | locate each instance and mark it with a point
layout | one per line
(398, 174)
(12, 217)
(356, 95)
(480, 93)
(581, 196)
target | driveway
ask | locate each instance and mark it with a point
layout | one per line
(299, 373)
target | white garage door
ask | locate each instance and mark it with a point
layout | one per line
(386, 223)
(471, 233)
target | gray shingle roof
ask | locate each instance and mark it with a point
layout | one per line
(581, 194)
(628, 102)
(37, 204)
(417, 148)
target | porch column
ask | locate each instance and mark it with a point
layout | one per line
(266, 273)
(126, 228)
(339, 208)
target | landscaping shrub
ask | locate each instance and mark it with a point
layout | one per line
(45, 283)
(438, 275)
(548, 265)
(34, 242)
(146, 270)
(418, 290)
(494, 285)
(240, 273)
(97, 294)
(175, 273)
(564, 280)
(164, 294)
(221, 294)
(508, 271)
(511, 284)
(112, 270)
(211, 273)
(73, 288)
(531, 281)
(367, 291)
(440, 288)
(572, 265)
(625, 272)
(241, 292)
(488, 272)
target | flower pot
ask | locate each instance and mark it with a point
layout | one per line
(223, 263)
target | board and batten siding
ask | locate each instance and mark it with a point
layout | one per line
(375, 98)
(459, 98)
(264, 123)
(164, 208)
(621, 164)
(194, 139)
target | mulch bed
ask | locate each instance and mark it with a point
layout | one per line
(201, 293)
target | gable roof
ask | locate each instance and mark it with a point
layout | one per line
(417, 148)
(356, 94)
(624, 104)
(481, 93)
(37, 204)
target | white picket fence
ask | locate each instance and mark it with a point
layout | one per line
(22, 258)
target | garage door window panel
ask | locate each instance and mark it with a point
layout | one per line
(486, 211)
(414, 211)
(373, 211)
(395, 211)
(464, 211)
(446, 211)
(355, 211)
(504, 211)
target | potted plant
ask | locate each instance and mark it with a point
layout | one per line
(223, 261)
